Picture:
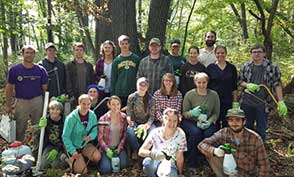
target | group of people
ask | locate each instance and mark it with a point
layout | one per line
(162, 107)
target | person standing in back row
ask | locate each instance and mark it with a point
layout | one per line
(79, 74)
(124, 70)
(154, 66)
(29, 80)
(207, 55)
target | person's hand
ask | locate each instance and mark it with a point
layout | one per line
(236, 105)
(52, 155)
(130, 122)
(195, 112)
(218, 152)
(141, 132)
(252, 87)
(282, 109)
(117, 150)
(87, 139)
(203, 124)
(75, 155)
(8, 109)
(42, 122)
(157, 155)
(109, 153)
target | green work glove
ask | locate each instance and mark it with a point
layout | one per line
(61, 98)
(139, 131)
(236, 105)
(52, 155)
(42, 122)
(282, 109)
(203, 124)
(253, 87)
(195, 112)
(109, 153)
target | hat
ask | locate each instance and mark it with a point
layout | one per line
(123, 37)
(175, 42)
(93, 86)
(50, 44)
(142, 79)
(235, 113)
(155, 41)
(29, 47)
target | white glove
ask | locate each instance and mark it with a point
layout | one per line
(218, 152)
(157, 155)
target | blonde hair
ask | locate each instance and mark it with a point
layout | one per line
(55, 104)
(83, 97)
(201, 75)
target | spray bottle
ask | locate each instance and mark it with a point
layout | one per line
(229, 164)
(164, 167)
(115, 162)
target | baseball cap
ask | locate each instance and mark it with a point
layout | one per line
(141, 80)
(175, 42)
(28, 47)
(50, 44)
(155, 41)
(235, 113)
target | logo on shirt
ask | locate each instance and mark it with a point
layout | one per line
(191, 74)
(19, 78)
(126, 64)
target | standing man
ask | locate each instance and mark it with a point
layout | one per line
(29, 80)
(207, 55)
(259, 71)
(175, 58)
(79, 74)
(124, 70)
(55, 70)
(154, 66)
(250, 155)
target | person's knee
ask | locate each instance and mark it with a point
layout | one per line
(148, 166)
(96, 156)
(105, 167)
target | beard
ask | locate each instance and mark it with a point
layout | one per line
(210, 43)
(237, 130)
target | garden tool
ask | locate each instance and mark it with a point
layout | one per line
(229, 164)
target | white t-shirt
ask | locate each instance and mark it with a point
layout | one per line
(176, 143)
(107, 72)
(206, 57)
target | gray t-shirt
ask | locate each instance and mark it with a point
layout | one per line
(257, 78)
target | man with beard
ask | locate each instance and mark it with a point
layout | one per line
(250, 154)
(207, 55)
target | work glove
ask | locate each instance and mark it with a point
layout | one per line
(157, 155)
(52, 155)
(203, 124)
(282, 109)
(236, 105)
(61, 98)
(253, 87)
(195, 112)
(218, 152)
(140, 132)
(42, 122)
(109, 153)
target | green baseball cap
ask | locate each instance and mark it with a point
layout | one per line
(235, 113)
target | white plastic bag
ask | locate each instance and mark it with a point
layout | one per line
(7, 128)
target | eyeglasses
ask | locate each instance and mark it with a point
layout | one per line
(257, 52)
(143, 84)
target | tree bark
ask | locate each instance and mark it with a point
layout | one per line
(123, 13)
(4, 37)
(241, 19)
(49, 25)
(157, 20)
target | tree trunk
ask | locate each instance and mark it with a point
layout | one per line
(186, 28)
(13, 29)
(123, 14)
(241, 19)
(157, 20)
(49, 25)
(103, 29)
(4, 37)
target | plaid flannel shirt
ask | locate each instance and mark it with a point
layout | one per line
(271, 77)
(162, 102)
(250, 157)
(104, 135)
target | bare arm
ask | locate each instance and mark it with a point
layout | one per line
(235, 96)
(180, 161)
(279, 93)
(9, 93)
(44, 87)
(145, 149)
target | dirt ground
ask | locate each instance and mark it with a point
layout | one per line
(279, 146)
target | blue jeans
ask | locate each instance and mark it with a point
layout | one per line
(150, 168)
(194, 136)
(105, 162)
(257, 114)
(132, 138)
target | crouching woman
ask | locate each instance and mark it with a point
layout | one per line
(165, 144)
(80, 128)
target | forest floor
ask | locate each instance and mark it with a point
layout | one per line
(279, 143)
